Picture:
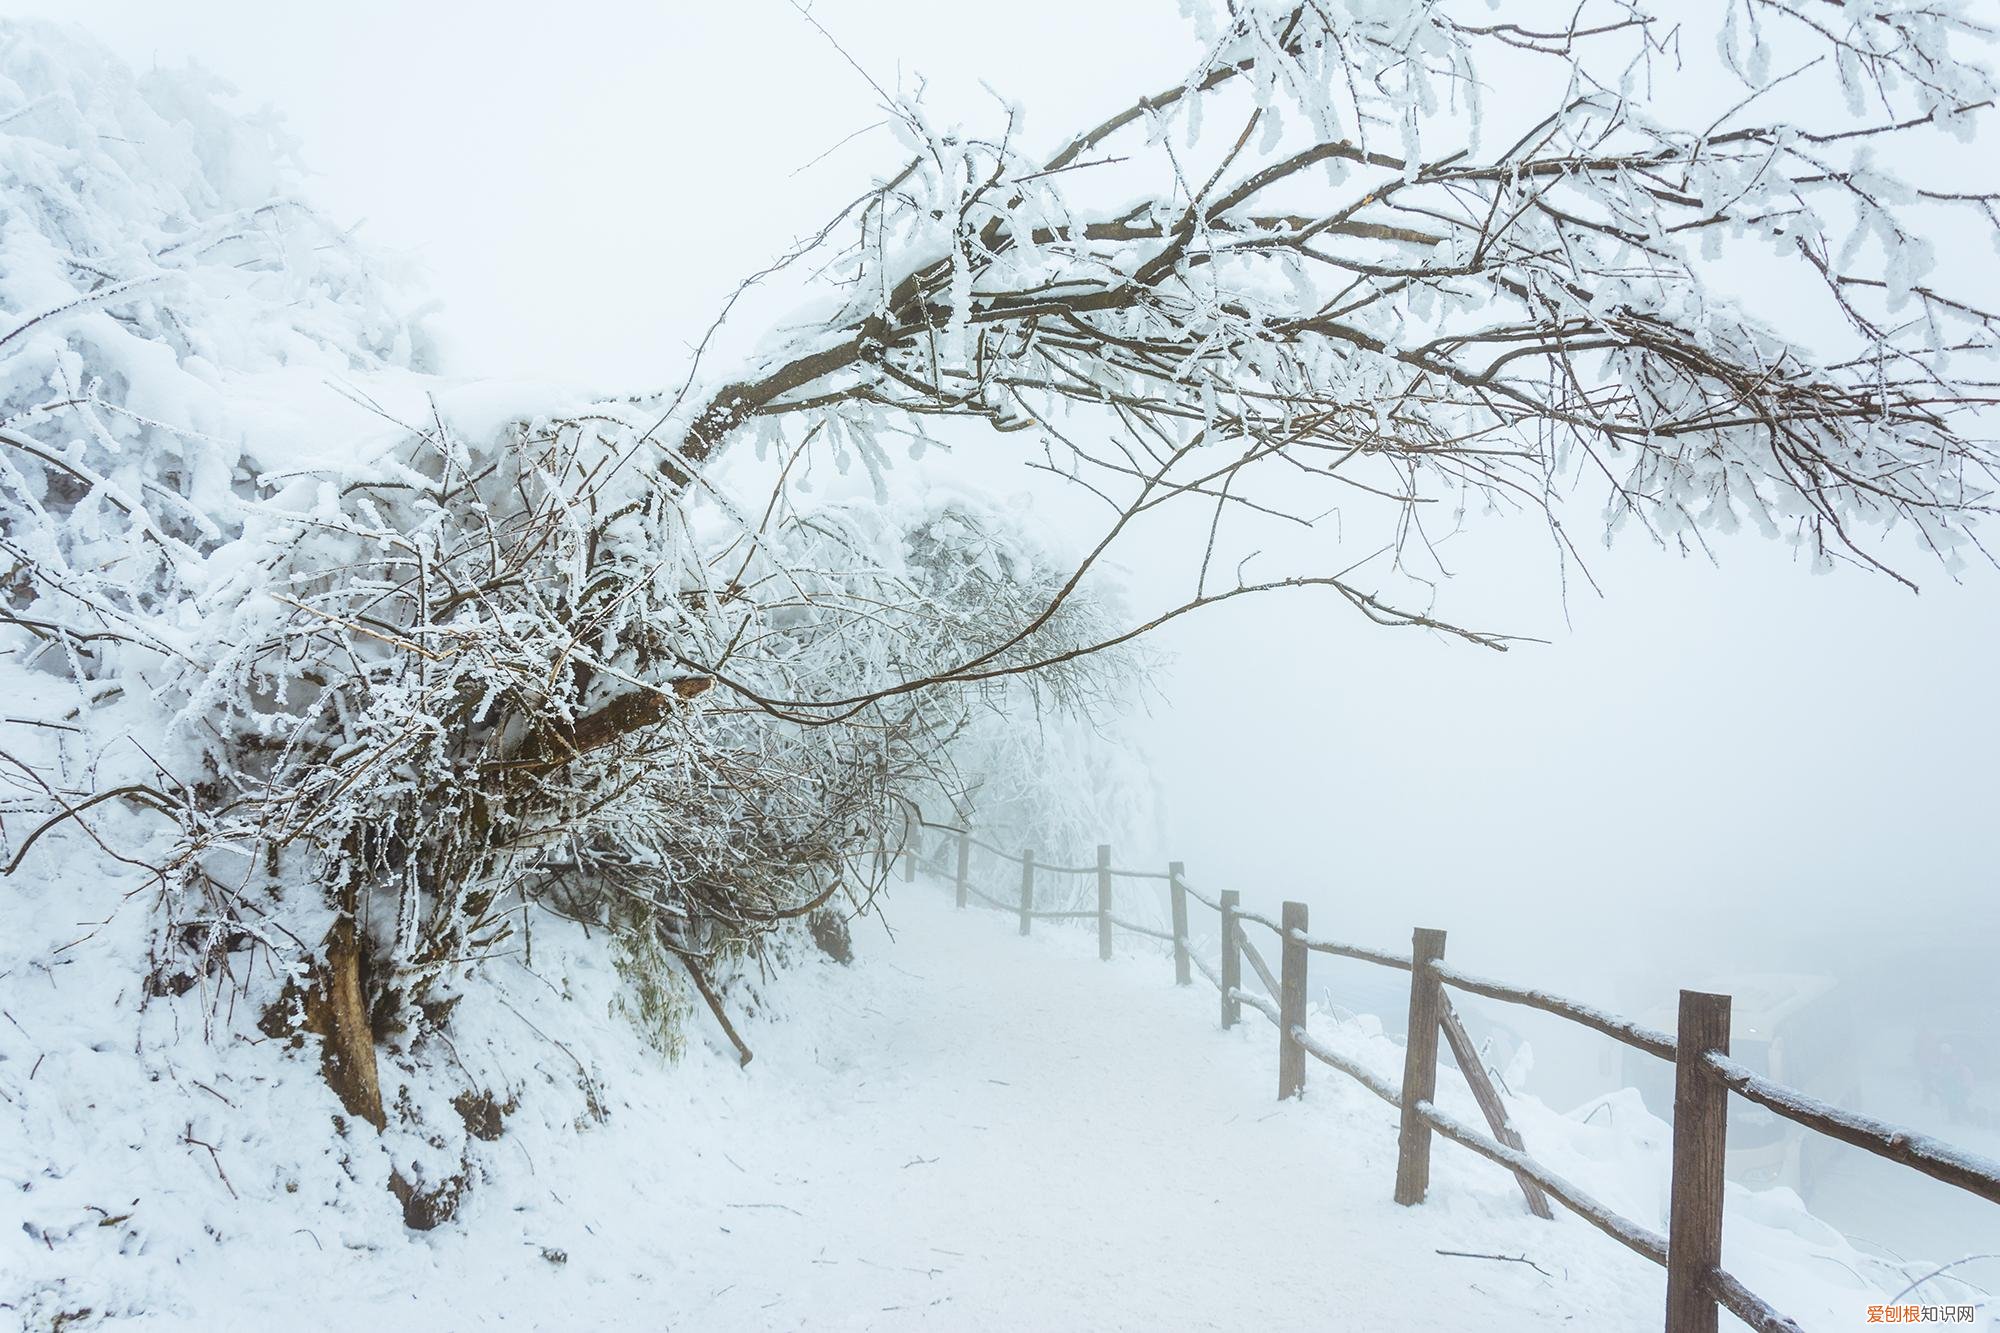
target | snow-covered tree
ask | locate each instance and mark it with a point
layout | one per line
(1325, 266)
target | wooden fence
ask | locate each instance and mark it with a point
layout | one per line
(1704, 1075)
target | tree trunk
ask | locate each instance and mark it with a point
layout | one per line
(337, 1010)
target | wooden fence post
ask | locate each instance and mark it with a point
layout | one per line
(909, 865)
(1701, 1126)
(1232, 961)
(964, 864)
(1104, 901)
(1182, 976)
(1027, 890)
(1292, 958)
(1420, 1067)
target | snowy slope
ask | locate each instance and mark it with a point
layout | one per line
(961, 1130)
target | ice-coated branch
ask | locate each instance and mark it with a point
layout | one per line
(1366, 288)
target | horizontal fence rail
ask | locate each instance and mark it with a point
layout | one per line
(1920, 1152)
(1705, 1076)
(1138, 929)
(1650, 1040)
(1259, 919)
(1379, 957)
(1268, 1008)
(1335, 1060)
(1640, 1240)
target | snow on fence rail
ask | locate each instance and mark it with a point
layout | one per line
(1919, 1152)
(1705, 1076)
(1650, 1040)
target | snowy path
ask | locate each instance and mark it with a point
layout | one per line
(963, 1130)
(1023, 1137)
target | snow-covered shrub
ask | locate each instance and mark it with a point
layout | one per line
(1041, 758)
(477, 652)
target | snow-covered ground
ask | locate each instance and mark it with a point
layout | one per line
(961, 1130)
